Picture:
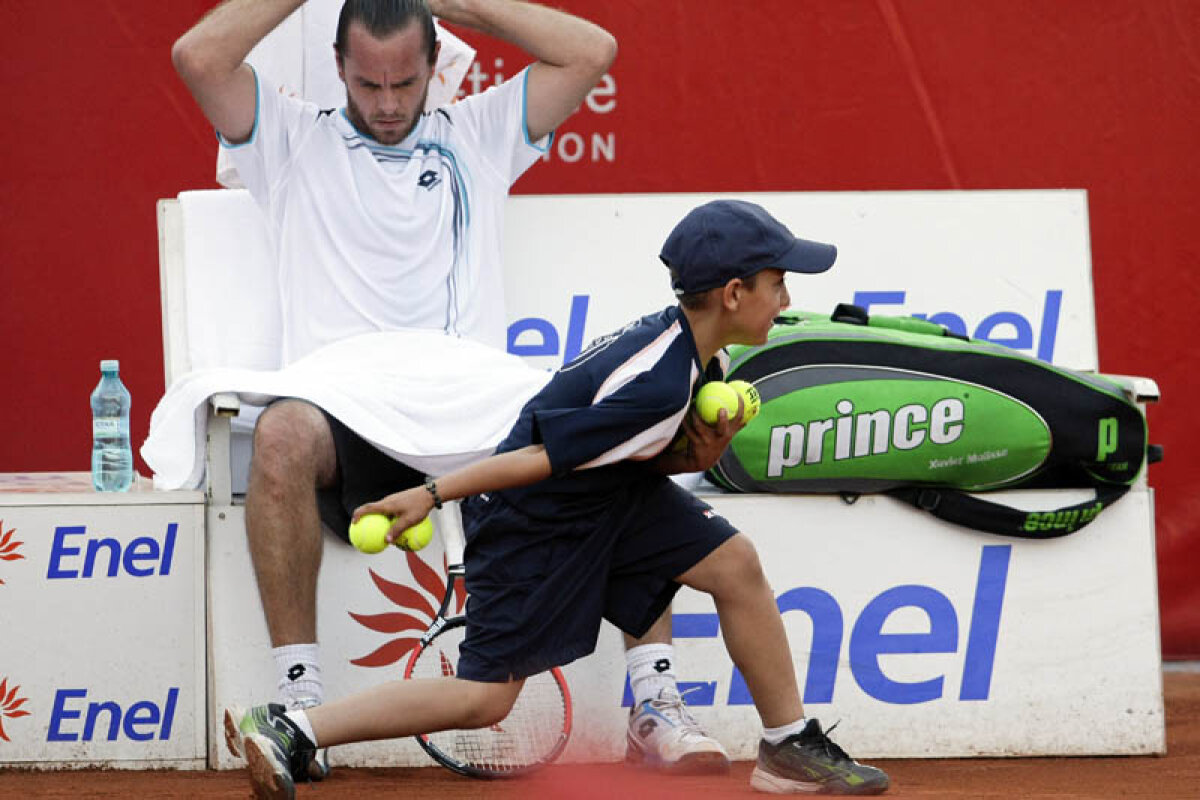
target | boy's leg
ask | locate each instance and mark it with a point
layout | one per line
(662, 733)
(278, 743)
(407, 708)
(751, 627)
(795, 755)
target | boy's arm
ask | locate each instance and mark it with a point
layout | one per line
(572, 54)
(505, 471)
(705, 443)
(210, 58)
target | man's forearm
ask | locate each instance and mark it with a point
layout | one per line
(572, 54)
(209, 58)
(218, 44)
(551, 36)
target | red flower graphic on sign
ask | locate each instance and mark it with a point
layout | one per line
(8, 548)
(408, 627)
(10, 704)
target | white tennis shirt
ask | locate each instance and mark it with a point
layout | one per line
(377, 238)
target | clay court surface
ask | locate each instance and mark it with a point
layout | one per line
(1176, 775)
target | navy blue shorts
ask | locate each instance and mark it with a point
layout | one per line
(364, 473)
(537, 589)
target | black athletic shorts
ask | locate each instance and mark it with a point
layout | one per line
(364, 474)
(538, 588)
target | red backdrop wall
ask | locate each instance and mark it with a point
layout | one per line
(707, 96)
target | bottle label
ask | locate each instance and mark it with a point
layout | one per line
(106, 426)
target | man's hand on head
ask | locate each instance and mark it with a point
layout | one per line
(454, 11)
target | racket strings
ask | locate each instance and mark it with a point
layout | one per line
(532, 734)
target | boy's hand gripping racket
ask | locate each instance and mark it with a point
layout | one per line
(536, 730)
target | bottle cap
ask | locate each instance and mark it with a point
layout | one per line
(110, 365)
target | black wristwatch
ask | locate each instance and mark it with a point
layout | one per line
(431, 487)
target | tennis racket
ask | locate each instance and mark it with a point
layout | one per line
(536, 729)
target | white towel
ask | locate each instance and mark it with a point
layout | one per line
(432, 401)
(231, 283)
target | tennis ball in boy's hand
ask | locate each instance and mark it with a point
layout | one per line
(750, 398)
(417, 536)
(369, 533)
(712, 397)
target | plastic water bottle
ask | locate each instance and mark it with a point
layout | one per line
(112, 457)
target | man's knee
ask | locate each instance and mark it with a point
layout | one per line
(292, 439)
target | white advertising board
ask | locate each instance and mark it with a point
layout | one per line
(898, 624)
(927, 639)
(102, 632)
(1012, 267)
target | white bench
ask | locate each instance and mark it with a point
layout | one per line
(928, 640)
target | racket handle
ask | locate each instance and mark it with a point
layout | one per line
(448, 520)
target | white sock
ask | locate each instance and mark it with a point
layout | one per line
(651, 669)
(301, 719)
(777, 735)
(299, 672)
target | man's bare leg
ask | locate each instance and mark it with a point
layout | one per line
(293, 455)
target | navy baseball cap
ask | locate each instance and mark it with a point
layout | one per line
(727, 239)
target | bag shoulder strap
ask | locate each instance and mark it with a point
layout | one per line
(971, 511)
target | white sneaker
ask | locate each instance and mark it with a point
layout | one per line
(318, 765)
(663, 735)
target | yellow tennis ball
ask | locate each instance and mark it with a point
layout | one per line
(714, 396)
(750, 399)
(369, 533)
(417, 536)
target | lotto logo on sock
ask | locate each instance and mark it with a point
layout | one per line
(662, 665)
(296, 672)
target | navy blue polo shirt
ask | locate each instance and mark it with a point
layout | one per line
(614, 407)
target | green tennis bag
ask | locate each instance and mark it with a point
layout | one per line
(854, 404)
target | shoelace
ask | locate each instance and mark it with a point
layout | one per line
(674, 709)
(830, 747)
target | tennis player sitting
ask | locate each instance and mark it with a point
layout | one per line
(574, 520)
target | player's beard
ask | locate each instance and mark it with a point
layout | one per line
(389, 136)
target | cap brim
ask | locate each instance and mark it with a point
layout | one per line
(806, 256)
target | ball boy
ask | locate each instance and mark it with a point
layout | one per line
(574, 520)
